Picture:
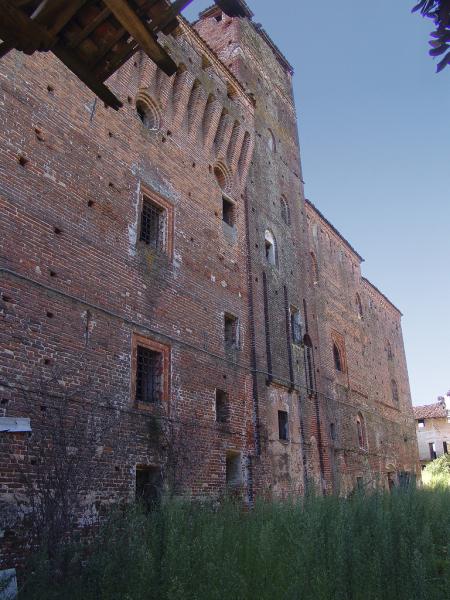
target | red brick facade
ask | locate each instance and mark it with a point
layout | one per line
(215, 150)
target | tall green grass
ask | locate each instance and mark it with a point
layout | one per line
(378, 547)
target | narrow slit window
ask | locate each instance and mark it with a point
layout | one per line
(153, 225)
(432, 447)
(270, 248)
(231, 331)
(221, 406)
(361, 430)
(149, 375)
(337, 358)
(283, 425)
(394, 388)
(296, 325)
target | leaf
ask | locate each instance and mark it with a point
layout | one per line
(444, 62)
(438, 51)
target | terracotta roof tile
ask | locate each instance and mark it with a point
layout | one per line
(430, 411)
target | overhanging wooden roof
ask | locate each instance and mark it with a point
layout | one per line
(93, 38)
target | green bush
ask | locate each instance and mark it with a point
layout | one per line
(378, 547)
(437, 472)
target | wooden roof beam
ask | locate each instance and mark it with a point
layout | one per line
(128, 18)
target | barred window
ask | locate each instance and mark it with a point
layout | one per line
(153, 225)
(149, 375)
(296, 325)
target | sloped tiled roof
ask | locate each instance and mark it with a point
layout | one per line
(430, 411)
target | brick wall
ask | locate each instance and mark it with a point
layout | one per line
(80, 289)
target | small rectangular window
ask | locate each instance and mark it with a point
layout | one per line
(421, 423)
(233, 468)
(228, 209)
(148, 485)
(231, 331)
(445, 446)
(221, 406)
(153, 225)
(149, 375)
(283, 425)
(296, 325)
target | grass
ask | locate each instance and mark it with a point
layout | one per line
(378, 547)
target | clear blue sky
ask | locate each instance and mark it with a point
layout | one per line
(374, 121)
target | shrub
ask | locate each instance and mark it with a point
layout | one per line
(383, 546)
(437, 472)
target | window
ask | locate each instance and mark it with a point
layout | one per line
(361, 430)
(432, 448)
(421, 423)
(148, 111)
(333, 431)
(309, 363)
(152, 225)
(283, 425)
(233, 466)
(445, 447)
(271, 143)
(337, 358)
(285, 213)
(231, 330)
(270, 248)
(148, 485)
(221, 406)
(156, 223)
(314, 269)
(150, 368)
(394, 389)
(359, 306)
(228, 211)
(296, 325)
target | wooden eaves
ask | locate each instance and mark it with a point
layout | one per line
(93, 38)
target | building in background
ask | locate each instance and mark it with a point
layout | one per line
(174, 313)
(433, 429)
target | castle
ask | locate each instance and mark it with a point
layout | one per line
(165, 282)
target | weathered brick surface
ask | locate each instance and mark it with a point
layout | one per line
(77, 284)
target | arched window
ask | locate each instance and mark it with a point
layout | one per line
(314, 269)
(270, 248)
(337, 356)
(389, 351)
(148, 111)
(361, 430)
(271, 143)
(394, 388)
(285, 212)
(359, 306)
